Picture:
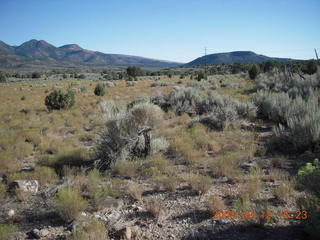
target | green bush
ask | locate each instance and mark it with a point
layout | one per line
(254, 71)
(23, 98)
(2, 77)
(309, 168)
(310, 68)
(57, 100)
(201, 76)
(69, 204)
(36, 75)
(99, 90)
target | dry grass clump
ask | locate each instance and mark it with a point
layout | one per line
(275, 174)
(215, 203)
(75, 176)
(242, 202)
(226, 165)
(284, 191)
(170, 183)
(69, 204)
(156, 208)
(199, 183)
(254, 183)
(159, 162)
(97, 192)
(92, 230)
(135, 191)
(126, 168)
(183, 146)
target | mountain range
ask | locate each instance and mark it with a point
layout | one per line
(36, 53)
(41, 54)
(234, 57)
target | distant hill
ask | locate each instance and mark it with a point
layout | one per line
(36, 53)
(233, 57)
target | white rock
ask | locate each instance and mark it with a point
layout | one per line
(11, 213)
(31, 186)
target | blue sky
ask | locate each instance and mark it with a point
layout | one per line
(176, 30)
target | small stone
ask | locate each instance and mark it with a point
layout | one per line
(128, 233)
(11, 213)
(44, 232)
(83, 214)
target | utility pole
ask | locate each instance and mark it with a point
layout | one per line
(315, 50)
(205, 60)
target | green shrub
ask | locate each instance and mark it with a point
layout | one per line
(254, 71)
(310, 68)
(201, 76)
(94, 229)
(69, 204)
(23, 98)
(99, 90)
(6, 231)
(309, 168)
(58, 100)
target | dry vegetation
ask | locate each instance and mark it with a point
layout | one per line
(193, 163)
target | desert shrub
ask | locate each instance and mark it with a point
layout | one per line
(309, 168)
(111, 110)
(183, 100)
(2, 77)
(309, 176)
(3, 193)
(120, 139)
(158, 84)
(310, 68)
(135, 191)
(215, 203)
(7, 231)
(156, 209)
(170, 183)
(69, 204)
(254, 71)
(152, 172)
(23, 98)
(199, 183)
(159, 162)
(96, 191)
(226, 165)
(126, 168)
(159, 145)
(146, 114)
(94, 229)
(201, 76)
(284, 191)
(220, 119)
(242, 203)
(99, 90)
(58, 100)
(254, 184)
